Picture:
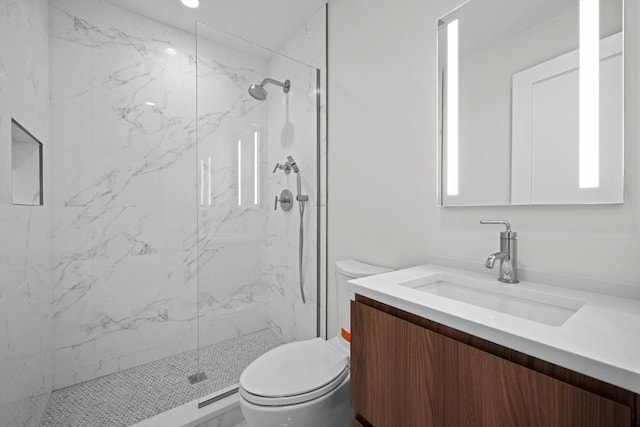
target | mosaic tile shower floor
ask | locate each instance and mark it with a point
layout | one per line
(132, 395)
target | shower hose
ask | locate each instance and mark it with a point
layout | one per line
(300, 246)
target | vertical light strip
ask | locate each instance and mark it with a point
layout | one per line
(201, 182)
(589, 133)
(239, 172)
(209, 172)
(256, 172)
(452, 108)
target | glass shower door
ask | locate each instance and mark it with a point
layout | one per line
(251, 241)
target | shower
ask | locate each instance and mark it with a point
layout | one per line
(287, 167)
(301, 198)
(185, 221)
(260, 93)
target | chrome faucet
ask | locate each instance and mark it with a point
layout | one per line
(508, 254)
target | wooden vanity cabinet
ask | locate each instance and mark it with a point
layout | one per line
(391, 362)
(409, 371)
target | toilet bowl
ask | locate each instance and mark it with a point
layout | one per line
(305, 383)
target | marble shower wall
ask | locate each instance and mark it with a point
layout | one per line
(248, 260)
(248, 253)
(232, 227)
(123, 131)
(132, 187)
(113, 260)
(293, 131)
(25, 250)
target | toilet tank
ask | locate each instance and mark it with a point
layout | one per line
(347, 270)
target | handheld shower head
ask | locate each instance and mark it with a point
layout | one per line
(300, 197)
(302, 200)
(293, 164)
(260, 93)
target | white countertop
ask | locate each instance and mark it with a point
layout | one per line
(602, 339)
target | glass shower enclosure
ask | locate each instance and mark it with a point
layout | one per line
(258, 186)
(155, 268)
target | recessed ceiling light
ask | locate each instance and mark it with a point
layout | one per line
(191, 3)
(171, 51)
(150, 104)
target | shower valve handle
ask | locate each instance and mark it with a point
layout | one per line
(285, 199)
(286, 167)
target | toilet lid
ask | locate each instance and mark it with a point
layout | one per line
(294, 369)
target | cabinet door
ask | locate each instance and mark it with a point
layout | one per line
(391, 369)
(479, 389)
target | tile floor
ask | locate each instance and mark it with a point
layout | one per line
(127, 397)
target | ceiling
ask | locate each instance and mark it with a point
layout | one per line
(269, 23)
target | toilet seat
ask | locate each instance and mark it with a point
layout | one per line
(294, 373)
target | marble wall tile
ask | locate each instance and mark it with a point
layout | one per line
(231, 230)
(25, 248)
(123, 122)
(24, 86)
(26, 412)
(141, 255)
(287, 126)
(25, 318)
(308, 44)
(232, 316)
(131, 272)
(293, 131)
(86, 233)
(148, 235)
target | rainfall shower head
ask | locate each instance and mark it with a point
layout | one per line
(260, 93)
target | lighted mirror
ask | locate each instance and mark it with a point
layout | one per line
(26, 167)
(531, 103)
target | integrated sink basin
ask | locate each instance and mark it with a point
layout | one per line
(505, 298)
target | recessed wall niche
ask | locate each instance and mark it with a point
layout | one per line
(26, 167)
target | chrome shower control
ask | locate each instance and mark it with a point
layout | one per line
(286, 167)
(285, 199)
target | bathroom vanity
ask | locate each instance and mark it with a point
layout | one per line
(419, 358)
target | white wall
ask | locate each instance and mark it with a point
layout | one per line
(382, 159)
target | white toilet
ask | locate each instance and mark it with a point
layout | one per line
(305, 383)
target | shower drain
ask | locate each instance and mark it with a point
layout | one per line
(196, 378)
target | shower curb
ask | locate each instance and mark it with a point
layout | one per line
(189, 415)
